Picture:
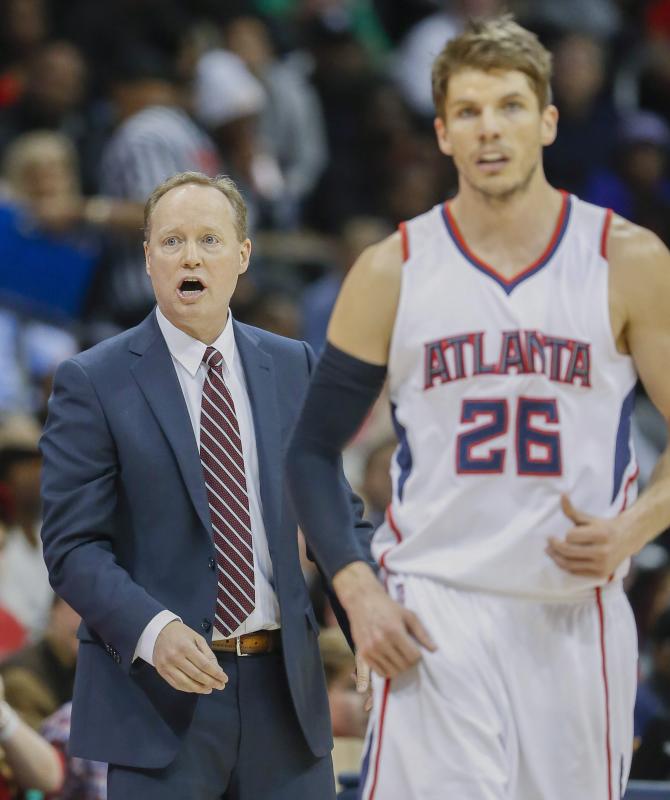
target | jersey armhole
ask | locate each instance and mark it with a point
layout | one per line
(605, 232)
(402, 227)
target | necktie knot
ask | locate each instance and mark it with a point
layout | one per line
(212, 358)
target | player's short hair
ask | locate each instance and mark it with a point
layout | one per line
(497, 43)
(223, 183)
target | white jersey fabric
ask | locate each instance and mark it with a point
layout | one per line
(505, 394)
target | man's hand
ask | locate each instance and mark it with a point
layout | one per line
(184, 659)
(593, 547)
(362, 678)
(387, 636)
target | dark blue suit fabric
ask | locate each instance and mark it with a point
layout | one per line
(127, 533)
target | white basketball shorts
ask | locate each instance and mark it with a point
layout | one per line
(523, 700)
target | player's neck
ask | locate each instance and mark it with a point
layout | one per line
(508, 232)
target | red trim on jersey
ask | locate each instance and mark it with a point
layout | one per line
(382, 714)
(396, 532)
(603, 653)
(606, 230)
(405, 240)
(558, 228)
(630, 481)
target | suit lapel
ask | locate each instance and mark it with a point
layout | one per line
(156, 377)
(259, 371)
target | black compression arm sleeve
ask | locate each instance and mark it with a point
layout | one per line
(341, 393)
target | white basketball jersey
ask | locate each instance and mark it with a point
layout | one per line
(505, 394)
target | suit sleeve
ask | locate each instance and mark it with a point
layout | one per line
(79, 490)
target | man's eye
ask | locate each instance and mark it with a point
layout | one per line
(210, 239)
(513, 105)
(171, 241)
(464, 113)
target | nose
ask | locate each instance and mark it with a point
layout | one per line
(489, 124)
(191, 254)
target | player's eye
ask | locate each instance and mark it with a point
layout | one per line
(513, 105)
(466, 112)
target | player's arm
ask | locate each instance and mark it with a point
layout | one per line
(344, 386)
(639, 303)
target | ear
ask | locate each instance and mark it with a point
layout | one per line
(442, 135)
(245, 255)
(147, 259)
(549, 125)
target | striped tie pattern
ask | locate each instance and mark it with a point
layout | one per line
(223, 468)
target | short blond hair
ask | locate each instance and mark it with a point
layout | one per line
(223, 183)
(498, 43)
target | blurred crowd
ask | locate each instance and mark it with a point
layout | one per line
(322, 113)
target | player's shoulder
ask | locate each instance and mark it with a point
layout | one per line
(630, 245)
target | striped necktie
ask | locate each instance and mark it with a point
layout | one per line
(223, 468)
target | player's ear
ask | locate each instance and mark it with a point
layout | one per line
(442, 135)
(147, 264)
(549, 124)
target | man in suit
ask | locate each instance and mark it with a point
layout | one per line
(166, 526)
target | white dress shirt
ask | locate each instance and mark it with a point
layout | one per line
(187, 354)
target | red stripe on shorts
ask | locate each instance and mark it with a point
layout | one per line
(603, 653)
(382, 714)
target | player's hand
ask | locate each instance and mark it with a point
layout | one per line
(594, 547)
(183, 658)
(363, 683)
(387, 636)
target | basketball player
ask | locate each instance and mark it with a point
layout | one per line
(512, 323)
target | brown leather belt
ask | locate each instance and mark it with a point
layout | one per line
(249, 644)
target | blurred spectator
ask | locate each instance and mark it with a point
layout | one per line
(12, 633)
(275, 311)
(599, 18)
(24, 583)
(319, 297)
(653, 693)
(413, 59)
(52, 96)
(638, 188)
(24, 28)
(84, 780)
(27, 761)
(155, 139)
(648, 589)
(47, 258)
(587, 118)
(40, 678)
(229, 101)
(290, 124)
(376, 486)
(347, 706)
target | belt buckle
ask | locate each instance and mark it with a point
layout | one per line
(237, 648)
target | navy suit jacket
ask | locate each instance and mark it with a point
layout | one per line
(127, 533)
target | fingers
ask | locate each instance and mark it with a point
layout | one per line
(183, 682)
(416, 628)
(578, 517)
(205, 661)
(362, 674)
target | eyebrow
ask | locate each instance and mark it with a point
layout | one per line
(515, 95)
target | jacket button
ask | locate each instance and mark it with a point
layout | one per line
(117, 658)
(206, 625)
(212, 564)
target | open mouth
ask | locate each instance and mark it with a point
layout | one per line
(190, 288)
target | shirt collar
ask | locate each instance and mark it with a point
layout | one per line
(189, 351)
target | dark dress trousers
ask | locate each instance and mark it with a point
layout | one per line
(127, 534)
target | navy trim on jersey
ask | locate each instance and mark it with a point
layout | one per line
(403, 455)
(365, 766)
(622, 454)
(509, 285)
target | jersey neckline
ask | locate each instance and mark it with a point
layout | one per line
(509, 285)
